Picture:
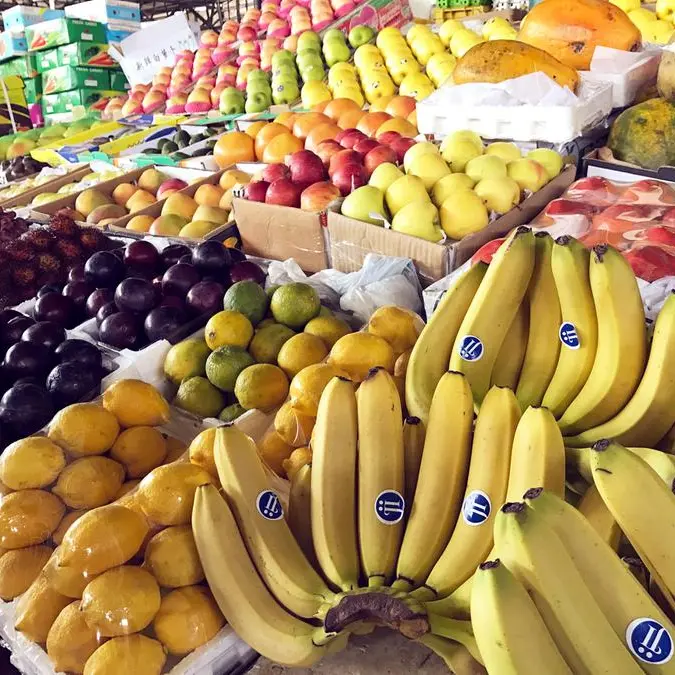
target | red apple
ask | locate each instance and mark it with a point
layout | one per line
(400, 146)
(283, 192)
(317, 197)
(341, 134)
(344, 157)
(256, 191)
(350, 139)
(326, 149)
(169, 186)
(388, 137)
(377, 156)
(306, 167)
(274, 172)
(566, 207)
(348, 177)
(365, 145)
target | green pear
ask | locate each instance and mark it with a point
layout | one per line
(418, 218)
(364, 204)
(384, 175)
(499, 194)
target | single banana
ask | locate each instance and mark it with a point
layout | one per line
(431, 353)
(643, 506)
(299, 511)
(510, 632)
(492, 311)
(650, 413)
(413, 446)
(243, 598)
(570, 267)
(457, 605)
(619, 595)
(457, 630)
(537, 456)
(380, 476)
(471, 540)
(543, 343)
(455, 656)
(333, 500)
(622, 344)
(441, 482)
(277, 555)
(510, 359)
(536, 556)
(600, 518)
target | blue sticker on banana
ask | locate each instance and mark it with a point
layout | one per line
(269, 506)
(569, 336)
(649, 641)
(476, 508)
(389, 507)
(470, 348)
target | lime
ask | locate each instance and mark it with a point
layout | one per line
(224, 366)
(198, 396)
(248, 298)
(267, 342)
(186, 359)
(261, 386)
(231, 413)
(295, 305)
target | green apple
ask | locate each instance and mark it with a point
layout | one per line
(257, 102)
(231, 101)
(336, 52)
(418, 218)
(365, 203)
(308, 57)
(287, 69)
(284, 80)
(256, 87)
(256, 74)
(359, 35)
(308, 39)
(313, 73)
(283, 55)
(334, 34)
(286, 92)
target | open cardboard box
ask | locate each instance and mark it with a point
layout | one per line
(351, 240)
(602, 162)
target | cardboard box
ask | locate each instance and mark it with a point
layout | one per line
(12, 96)
(105, 11)
(62, 32)
(32, 89)
(23, 66)
(86, 54)
(53, 185)
(67, 100)
(118, 81)
(376, 13)
(603, 163)
(281, 232)
(17, 18)
(46, 60)
(66, 78)
(115, 36)
(12, 45)
(351, 240)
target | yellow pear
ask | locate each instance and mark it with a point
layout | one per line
(418, 218)
(499, 194)
(448, 29)
(403, 191)
(448, 185)
(429, 167)
(485, 166)
(529, 174)
(549, 159)
(417, 150)
(384, 175)
(462, 214)
(462, 41)
(509, 152)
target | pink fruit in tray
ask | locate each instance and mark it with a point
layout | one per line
(594, 190)
(198, 101)
(247, 33)
(153, 100)
(208, 38)
(221, 54)
(215, 95)
(265, 19)
(285, 7)
(342, 7)
(291, 43)
(320, 25)
(132, 107)
(185, 55)
(204, 68)
(648, 191)
(169, 186)
(176, 104)
(278, 28)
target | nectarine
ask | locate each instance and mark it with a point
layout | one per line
(320, 107)
(399, 124)
(123, 192)
(233, 147)
(371, 122)
(400, 106)
(284, 144)
(380, 104)
(351, 118)
(139, 200)
(265, 135)
(232, 177)
(286, 119)
(305, 122)
(253, 129)
(338, 107)
(179, 205)
(320, 133)
(140, 223)
(208, 195)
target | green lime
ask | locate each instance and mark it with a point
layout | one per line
(186, 359)
(249, 299)
(231, 413)
(267, 342)
(225, 364)
(295, 305)
(198, 396)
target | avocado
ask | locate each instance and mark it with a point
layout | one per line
(169, 147)
(201, 152)
(179, 155)
(198, 138)
(162, 142)
(182, 139)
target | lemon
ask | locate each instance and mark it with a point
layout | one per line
(66, 580)
(224, 366)
(70, 641)
(295, 305)
(231, 413)
(89, 482)
(68, 520)
(274, 450)
(188, 618)
(19, 569)
(294, 426)
(28, 517)
(268, 340)
(84, 429)
(198, 396)
(301, 351)
(167, 493)
(38, 608)
(357, 353)
(201, 451)
(261, 386)
(140, 449)
(175, 449)
(396, 325)
(298, 458)
(186, 359)
(136, 403)
(171, 557)
(103, 538)
(121, 601)
(126, 488)
(329, 328)
(133, 654)
(308, 385)
(228, 328)
(32, 462)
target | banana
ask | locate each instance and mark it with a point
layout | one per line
(431, 353)
(380, 478)
(455, 656)
(619, 595)
(333, 500)
(570, 267)
(536, 556)
(600, 518)
(441, 481)
(277, 555)
(537, 456)
(457, 605)
(643, 506)
(543, 344)
(622, 344)
(413, 446)
(492, 311)
(457, 630)
(510, 633)
(509, 361)
(299, 511)
(243, 598)
(650, 413)
(471, 540)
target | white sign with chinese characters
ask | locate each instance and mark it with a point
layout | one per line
(142, 54)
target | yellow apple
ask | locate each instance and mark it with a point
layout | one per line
(429, 167)
(665, 9)
(549, 159)
(314, 92)
(417, 85)
(440, 67)
(462, 41)
(425, 47)
(376, 85)
(529, 174)
(507, 151)
(626, 5)
(418, 219)
(366, 54)
(403, 191)
(464, 135)
(417, 30)
(401, 66)
(499, 194)
(448, 185)
(642, 18)
(352, 91)
(658, 32)
(448, 29)
(416, 151)
(504, 34)
(494, 24)
(388, 36)
(462, 214)
(485, 166)
(384, 175)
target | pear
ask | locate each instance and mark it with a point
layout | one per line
(429, 167)
(458, 150)
(499, 194)
(528, 173)
(485, 166)
(549, 159)
(509, 152)
(365, 203)
(417, 150)
(450, 184)
(462, 214)
(403, 191)
(384, 175)
(418, 218)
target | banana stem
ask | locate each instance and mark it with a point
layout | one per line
(459, 631)
(456, 657)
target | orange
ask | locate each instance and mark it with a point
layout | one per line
(266, 135)
(233, 147)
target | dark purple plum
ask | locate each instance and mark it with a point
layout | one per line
(27, 359)
(24, 409)
(162, 323)
(211, 258)
(6, 315)
(173, 253)
(78, 292)
(55, 307)
(69, 383)
(179, 279)
(12, 332)
(121, 330)
(45, 333)
(76, 273)
(135, 295)
(247, 271)
(143, 257)
(49, 288)
(97, 299)
(206, 297)
(104, 269)
(174, 301)
(185, 259)
(236, 255)
(105, 311)
(79, 351)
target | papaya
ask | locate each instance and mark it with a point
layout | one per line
(645, 134)
(500, 60)
(570, 30)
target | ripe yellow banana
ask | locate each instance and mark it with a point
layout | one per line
(650, 413)
(510, 359)
(431, 353)
(333, 501)
(619, 595)
(471, 540)
(413, 446)
(643, 506)
(492, 311)
(299, 511)
(456, 606)
(277, 555)
(600, 518)
(543, 344)
(622, 344)
(511, 635)
(536, 556)
(579, 334)
(243, 598)
(455, 656)
(537, 456)
(441, 481)
(380, 476)
(455, 629)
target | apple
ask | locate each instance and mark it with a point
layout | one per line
(326, 149)
(359, 35)
(257, 101)
(306, 167)
(388, 137)
(418, 218)
(274, 172)
(169, 186)
(318, 196)
(335, 51)
(231, 101)
(256, 191)
(284, 192)
(462, 214)
(365, 145)
(342, 158)
(400, 146)
(382, 154)
(285, 92)
(499, 194)
(363, 203)
(348, 177)
(350, 139)
(384, 175)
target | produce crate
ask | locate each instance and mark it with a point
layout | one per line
(602, 163)
(25, 198)
(23, 66)
(85, 54)
(46, 60)
(66, 78)
(57, 32)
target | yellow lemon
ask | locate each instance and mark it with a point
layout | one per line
(261, 386)
(301, 351)
(228, 328)
(299, 458)
(19, 569)
(140, 449)
(294, 426)
(171, 557)
(274, 450)
(28, 517)
(32, 462)
(357, 353)
(38, 608)
(84, 429)
(129, 654)
(308, 385)
(89, 482)
(396, 325)
(68, 520)
(71, 641)
(201, 451)
(329, 328)
(136, 403)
